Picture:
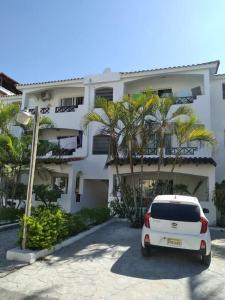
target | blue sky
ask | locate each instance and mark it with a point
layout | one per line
(58, 39)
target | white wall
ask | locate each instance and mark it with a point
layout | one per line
(95, 194)
(218, 125)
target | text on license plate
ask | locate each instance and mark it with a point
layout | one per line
(174, 242)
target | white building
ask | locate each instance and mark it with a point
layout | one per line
(81, 169)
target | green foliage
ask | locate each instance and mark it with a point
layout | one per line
(219, 200)
(45, 227)
(94, 216)
(46, 194)
(50, 225)
(75, 224)
(10, 214)
(17, 191)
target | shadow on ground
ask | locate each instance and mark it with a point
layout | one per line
(39, 295)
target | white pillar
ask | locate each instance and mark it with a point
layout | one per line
(71, 198)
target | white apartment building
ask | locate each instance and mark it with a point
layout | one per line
(81, 170)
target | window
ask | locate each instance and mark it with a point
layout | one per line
(80, 139)
(100, 144)
(165, 93)
(196, 91)
(223, 87)
(168, 143)
(175, 212)
(60, 184)
(67, 101)
(106, 93)
(71, 101)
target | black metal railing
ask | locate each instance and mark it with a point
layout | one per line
(185, 100)
(61, 152)
(61, 109)
(151, 151)
(172, 151)
(181, 150)
(43, 110)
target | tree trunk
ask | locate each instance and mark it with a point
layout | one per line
(132, 176)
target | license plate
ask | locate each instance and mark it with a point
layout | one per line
(174, 242)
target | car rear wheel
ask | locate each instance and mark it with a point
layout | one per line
(206, 259)
(146, 251)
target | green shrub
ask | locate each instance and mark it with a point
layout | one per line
(75, 224)
(93, 216)
(49, 225)
(10, 214)
(45, 227)
(101, 214)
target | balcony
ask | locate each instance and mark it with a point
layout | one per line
(62, 109)
(183, 151)
(184, 100)
(43, 110)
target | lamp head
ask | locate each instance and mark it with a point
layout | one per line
(23, 117)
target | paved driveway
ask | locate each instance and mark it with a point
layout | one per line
(108, 265)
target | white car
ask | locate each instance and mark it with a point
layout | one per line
(177, 222)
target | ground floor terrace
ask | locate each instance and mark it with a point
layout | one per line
(83, 185)
(190, 177)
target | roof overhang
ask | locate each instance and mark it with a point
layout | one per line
(212, 66)
(167, 161)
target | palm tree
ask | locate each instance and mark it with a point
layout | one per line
(108, 118)
(162, 119)
(15, 151)
(136, 131)
(8, 113)
(190, 130)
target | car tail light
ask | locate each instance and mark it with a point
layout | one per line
(147, 217)
(147, 239)
(203, 245)
(204, 225)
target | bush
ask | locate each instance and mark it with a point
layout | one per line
(94, 216)
(75, 224)
(49, 225)
(219, 199)
(45, 227)
(10, 214)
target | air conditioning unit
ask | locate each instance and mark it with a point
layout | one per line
(45, 96)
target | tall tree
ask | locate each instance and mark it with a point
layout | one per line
(108, 117)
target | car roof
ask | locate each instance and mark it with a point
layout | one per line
(176, 198)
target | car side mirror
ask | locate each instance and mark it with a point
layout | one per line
(205, 210)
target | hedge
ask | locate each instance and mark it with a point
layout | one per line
(49, 225)
(10, 214)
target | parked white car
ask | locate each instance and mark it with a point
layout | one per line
(177, 222)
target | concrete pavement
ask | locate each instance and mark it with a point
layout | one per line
(108, 265)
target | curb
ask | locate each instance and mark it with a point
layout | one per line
(30, 256)
(8, 226)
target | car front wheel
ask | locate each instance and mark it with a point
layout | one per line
(146, 251)
(206, 259)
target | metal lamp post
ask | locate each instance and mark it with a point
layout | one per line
(24, 117)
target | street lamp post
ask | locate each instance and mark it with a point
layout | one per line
(23, 118)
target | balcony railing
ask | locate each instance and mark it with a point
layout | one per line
(43, 110)
(185, 100)
(61, 109)
(151, 151)
(173, 151)
(61, 152)
(181, 150)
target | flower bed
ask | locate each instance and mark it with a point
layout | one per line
(48, 226)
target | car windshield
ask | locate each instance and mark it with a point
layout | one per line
(175, 212)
